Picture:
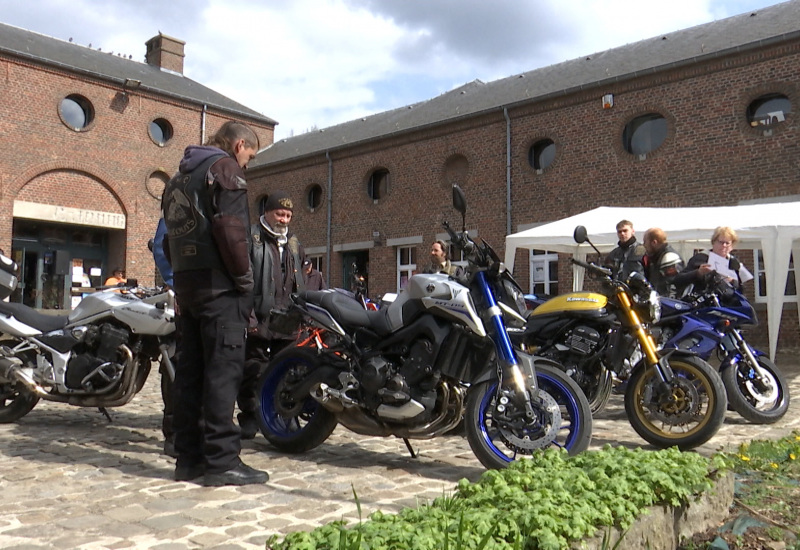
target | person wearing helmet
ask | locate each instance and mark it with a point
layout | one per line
(662, 264)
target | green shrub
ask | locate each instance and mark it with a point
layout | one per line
(539, 503)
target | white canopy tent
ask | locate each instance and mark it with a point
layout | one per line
(774, 228)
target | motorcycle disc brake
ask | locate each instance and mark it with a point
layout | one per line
(525, 436)
(678, 404)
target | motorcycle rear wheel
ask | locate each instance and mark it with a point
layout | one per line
(687, 415)
(491, 443)
(292, 426)
(756, 404)
(15, 402)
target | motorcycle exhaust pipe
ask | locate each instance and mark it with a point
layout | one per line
(330, 398)
(11, 371)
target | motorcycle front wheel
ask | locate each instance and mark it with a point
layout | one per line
(760, 401)
(684, 413)
(563, 419)
(291, 425)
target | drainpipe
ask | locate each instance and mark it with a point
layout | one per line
(203, 125)
(508, 171)
(330, 206)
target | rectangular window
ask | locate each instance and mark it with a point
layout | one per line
(316, 261)
(406, 264)
(544, 273)
(761, 289)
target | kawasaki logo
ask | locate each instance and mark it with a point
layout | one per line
(576, 299)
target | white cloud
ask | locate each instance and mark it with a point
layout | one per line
(314, 63)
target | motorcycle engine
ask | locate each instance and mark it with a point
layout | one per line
(95, 365)
(583, 340)
(384, 382)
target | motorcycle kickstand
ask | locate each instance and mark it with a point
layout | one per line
(410, 448)
(105, 412)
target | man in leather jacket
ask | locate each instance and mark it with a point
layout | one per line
(277, 257)
(662, 264)
(627, 257)
(440, 263)
(206, 213)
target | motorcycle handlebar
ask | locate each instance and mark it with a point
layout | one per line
(592, 267)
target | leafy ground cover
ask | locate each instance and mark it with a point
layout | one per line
(766, 510)
(541, 503)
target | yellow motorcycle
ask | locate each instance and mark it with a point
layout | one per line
(672, 397)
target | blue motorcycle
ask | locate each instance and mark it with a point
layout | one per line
(710, 322)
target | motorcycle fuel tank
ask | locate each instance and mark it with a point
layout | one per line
(574, 302)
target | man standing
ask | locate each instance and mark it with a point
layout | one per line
(627, 257)
(206, 212)
(661, 263)
(277, 257)
(313, 278)
(440, 263)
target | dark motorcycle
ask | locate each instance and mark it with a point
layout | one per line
(413, 368)
(710, 322)
(673, 398)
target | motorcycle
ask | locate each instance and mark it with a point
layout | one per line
(672, 397)
(416, 366)
(711, 321)
(97, 355)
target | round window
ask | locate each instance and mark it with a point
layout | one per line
(541, 154)
(76, 112)
(160, 131)
(768, 110)
(378, 184)
(314, 197)
(644, 134)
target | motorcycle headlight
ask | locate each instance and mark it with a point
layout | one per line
(514, 297)
(654, 306)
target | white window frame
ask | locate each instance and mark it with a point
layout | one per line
(759, 270)
(406, 270)
(541, 260)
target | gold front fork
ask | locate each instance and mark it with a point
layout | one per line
(645, 338)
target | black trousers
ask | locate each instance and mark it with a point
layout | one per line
(258, 353)
(207, 378)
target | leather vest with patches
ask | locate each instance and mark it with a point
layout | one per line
(188, 211)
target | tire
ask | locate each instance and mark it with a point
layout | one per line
(291, 426)
(687, 415)
(754, 401)
(15, 402)
(493, 445)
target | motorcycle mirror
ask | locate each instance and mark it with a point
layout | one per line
(150, 245)
(460, 203)
(580, 235)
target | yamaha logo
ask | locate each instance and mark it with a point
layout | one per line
(430, 288)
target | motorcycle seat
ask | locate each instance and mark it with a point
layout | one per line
(42, 322)
(348, 311)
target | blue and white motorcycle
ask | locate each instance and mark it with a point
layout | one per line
(414, 368)
(710, 323)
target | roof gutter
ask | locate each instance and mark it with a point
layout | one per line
(329, 215)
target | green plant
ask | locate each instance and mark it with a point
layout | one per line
(540, 503)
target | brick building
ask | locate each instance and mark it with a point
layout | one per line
(701, 116)
(89, 139)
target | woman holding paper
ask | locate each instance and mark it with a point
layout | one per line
(719, 259)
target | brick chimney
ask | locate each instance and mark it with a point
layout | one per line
(165, 52)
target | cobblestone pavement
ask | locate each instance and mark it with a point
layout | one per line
(71, 479)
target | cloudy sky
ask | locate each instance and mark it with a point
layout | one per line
(314, 63)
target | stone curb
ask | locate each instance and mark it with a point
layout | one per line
(664, 527)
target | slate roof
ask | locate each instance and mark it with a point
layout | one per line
(47, 50)
(749, 30)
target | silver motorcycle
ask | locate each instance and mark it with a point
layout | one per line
(97, 355)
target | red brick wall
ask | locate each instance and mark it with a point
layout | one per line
(106, 167)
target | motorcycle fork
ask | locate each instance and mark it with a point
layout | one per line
(506, 356)
(646, 341)
(747, 353)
